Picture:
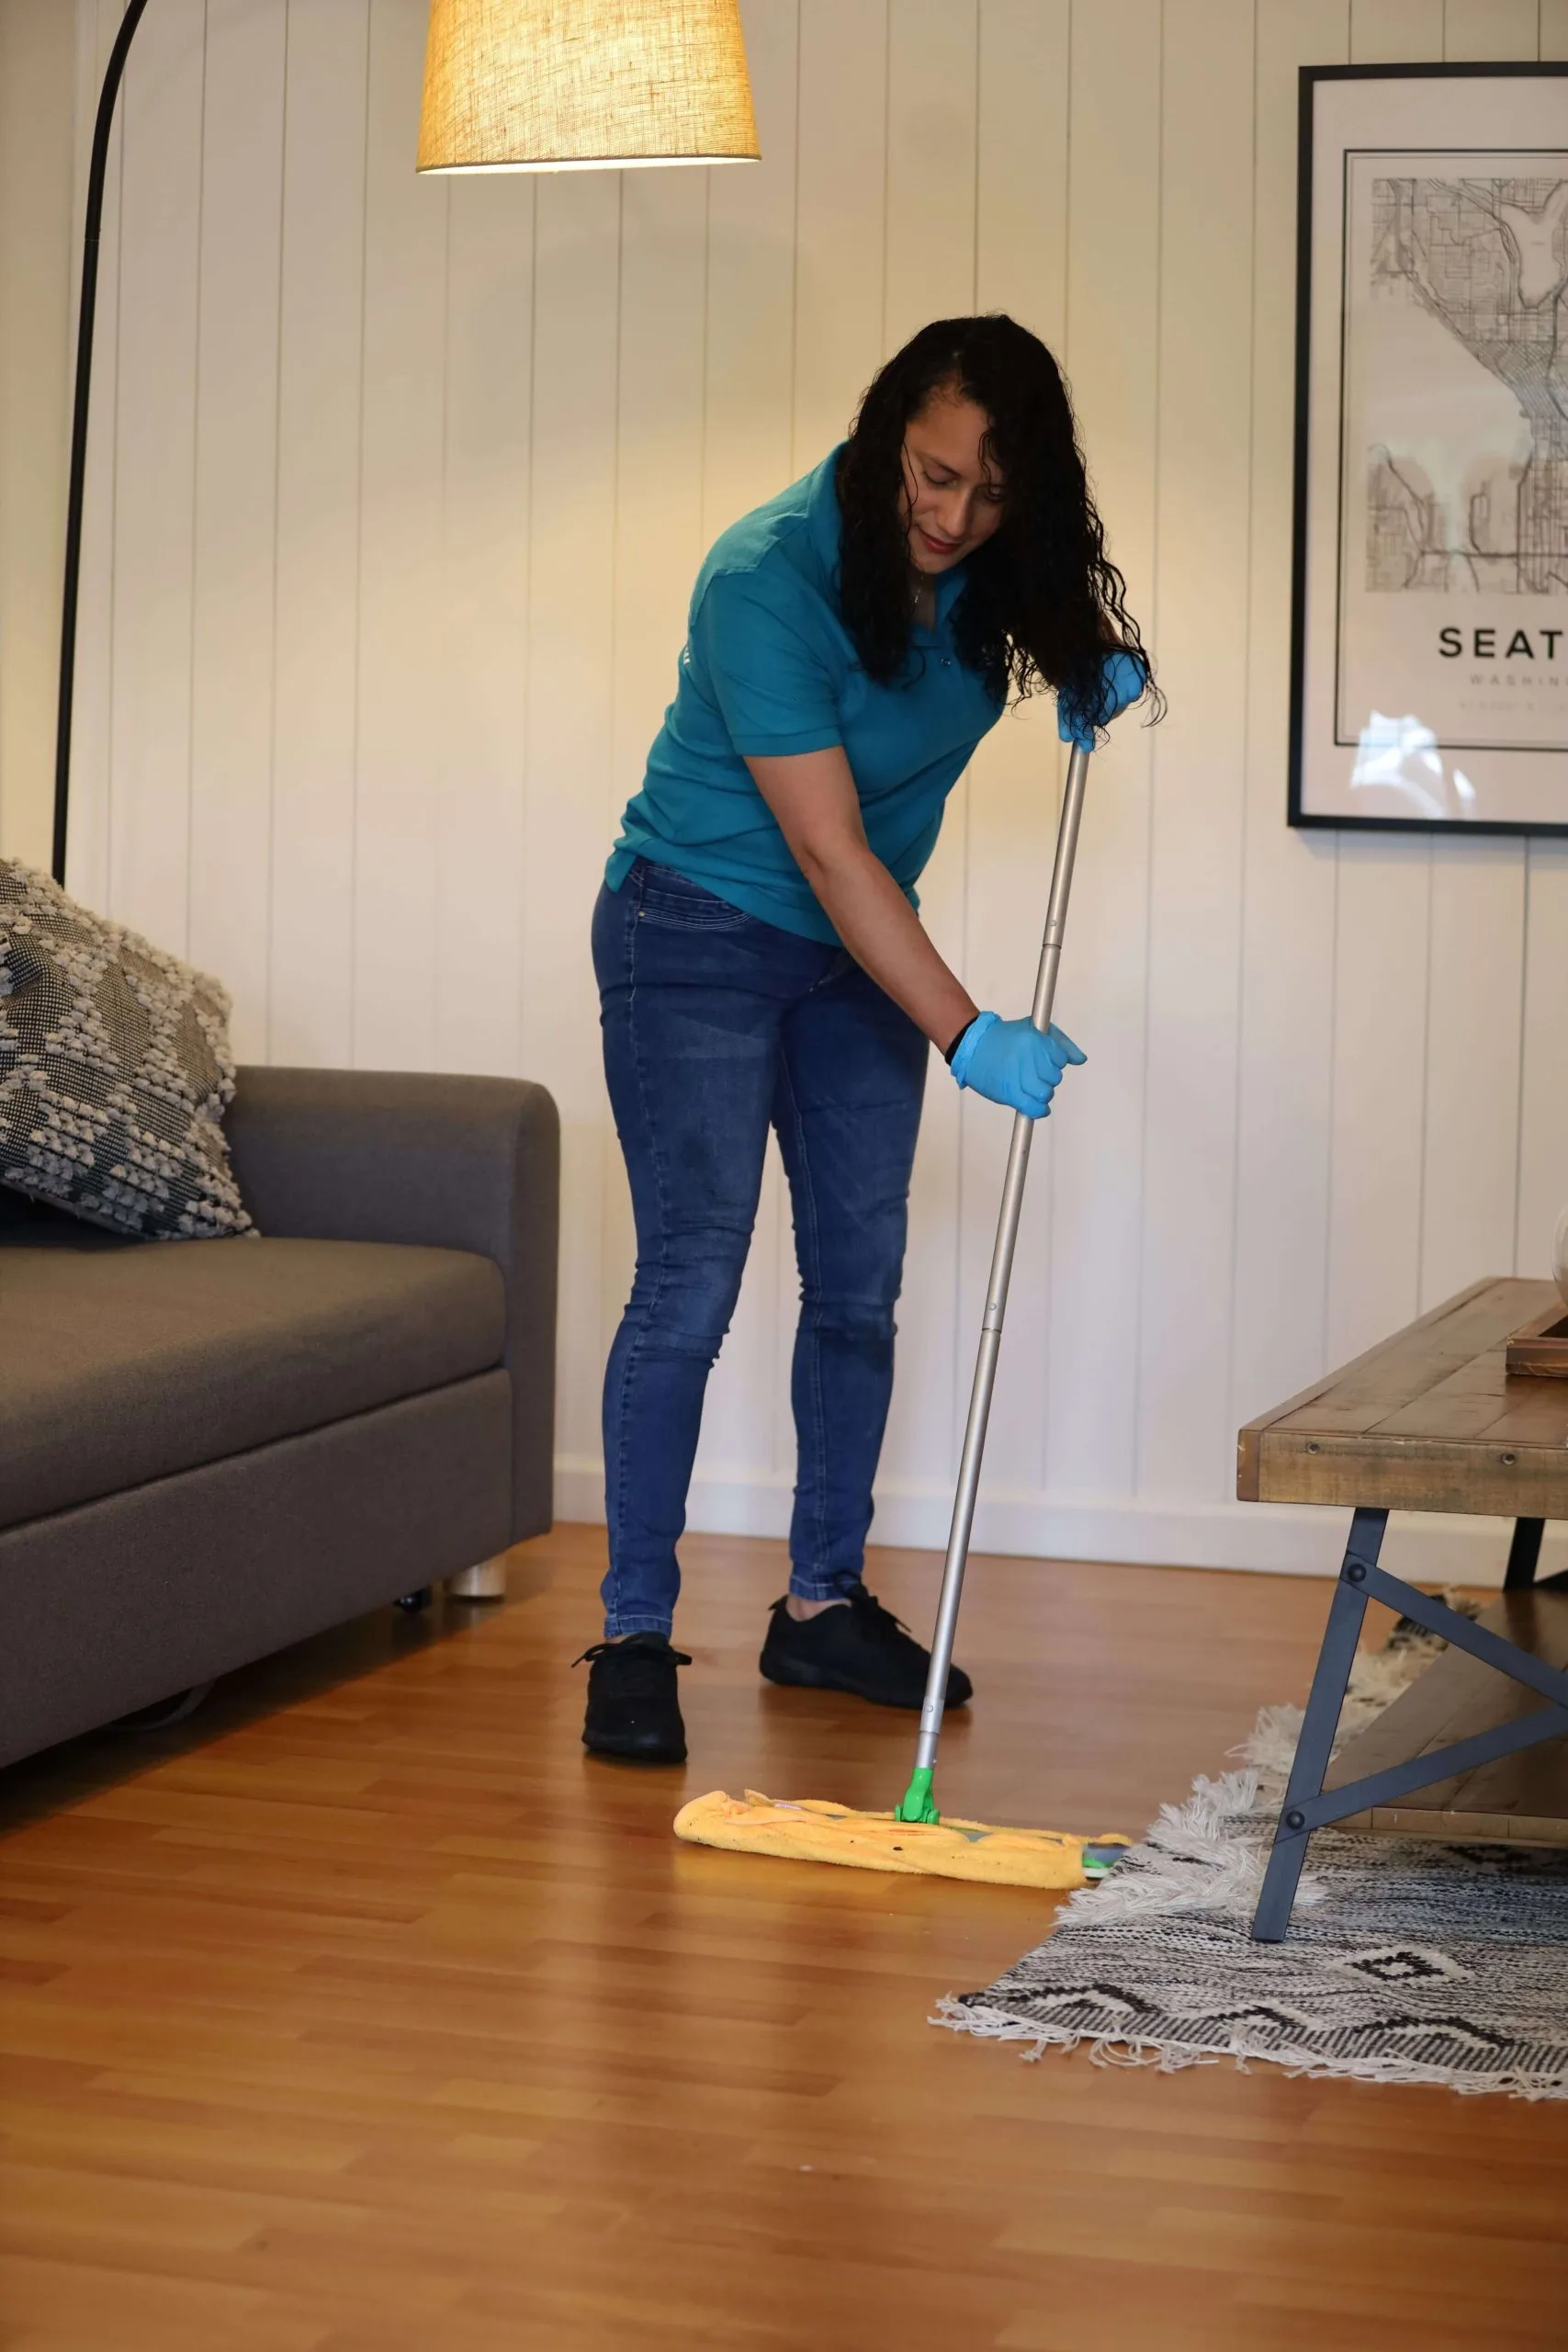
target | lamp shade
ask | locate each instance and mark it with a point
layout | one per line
(551, 85)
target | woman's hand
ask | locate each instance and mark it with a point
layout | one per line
(1013, 1062)
(1125, 676)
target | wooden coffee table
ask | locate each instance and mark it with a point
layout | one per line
(1430, 1420)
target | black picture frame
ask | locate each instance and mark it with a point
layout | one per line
(1310, 78)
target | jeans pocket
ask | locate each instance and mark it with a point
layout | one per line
(670, 902)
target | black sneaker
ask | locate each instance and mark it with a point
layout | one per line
(862, 1649)
(634, 1709)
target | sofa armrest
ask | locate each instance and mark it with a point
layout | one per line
(450, 1163)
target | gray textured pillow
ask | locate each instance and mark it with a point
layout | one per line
(114, 1071)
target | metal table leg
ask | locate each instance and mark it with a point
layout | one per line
(1524, 1553)
(1319, 1725)
(1306, 1808)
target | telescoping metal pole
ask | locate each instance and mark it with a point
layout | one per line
(919, 1804)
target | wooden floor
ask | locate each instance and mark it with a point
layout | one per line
(365, 2014)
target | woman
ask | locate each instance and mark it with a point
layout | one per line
(761, 959)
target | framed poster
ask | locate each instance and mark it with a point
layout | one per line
(1429, 657)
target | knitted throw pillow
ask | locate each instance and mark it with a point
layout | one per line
(114, 1071)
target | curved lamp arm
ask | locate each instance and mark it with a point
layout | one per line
(96, 176)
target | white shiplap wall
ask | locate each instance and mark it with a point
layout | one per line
(397, 493)
(37, 44)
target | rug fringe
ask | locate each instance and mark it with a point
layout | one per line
(997, 2025)
(1269, 1749)
(1187, 1862)
(1175, 2058)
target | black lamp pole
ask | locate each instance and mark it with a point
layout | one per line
(95, 175)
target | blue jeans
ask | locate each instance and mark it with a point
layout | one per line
(716, 1025)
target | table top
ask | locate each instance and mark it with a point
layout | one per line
(1428, 1420)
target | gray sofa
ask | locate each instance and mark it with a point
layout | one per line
(210, 1449)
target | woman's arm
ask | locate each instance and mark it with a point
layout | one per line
(813, 796)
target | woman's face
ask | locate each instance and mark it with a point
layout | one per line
(953, 496)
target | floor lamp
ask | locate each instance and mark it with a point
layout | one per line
(509, 85)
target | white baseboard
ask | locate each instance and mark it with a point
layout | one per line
(1278, 1539)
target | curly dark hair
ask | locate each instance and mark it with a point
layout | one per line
(1041, 603)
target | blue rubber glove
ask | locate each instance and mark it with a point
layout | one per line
(1125, 676)
(1010, 1062)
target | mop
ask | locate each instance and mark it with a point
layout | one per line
(913, 1838)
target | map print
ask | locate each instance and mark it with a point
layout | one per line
(1487, 259)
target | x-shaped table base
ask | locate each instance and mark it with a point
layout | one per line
(1306, 1808)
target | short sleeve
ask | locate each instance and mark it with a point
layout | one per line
(770, 681)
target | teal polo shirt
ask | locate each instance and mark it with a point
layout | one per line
(769, 668)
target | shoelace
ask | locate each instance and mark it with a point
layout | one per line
(879, 1623)
(634, 1654)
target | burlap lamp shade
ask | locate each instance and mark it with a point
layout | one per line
(551, 85)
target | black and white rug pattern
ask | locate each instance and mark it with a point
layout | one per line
(1407, 1961)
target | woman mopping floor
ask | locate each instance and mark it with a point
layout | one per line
(761, 962)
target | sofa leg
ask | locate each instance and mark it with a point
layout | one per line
(164, 1712)
(487, 1582)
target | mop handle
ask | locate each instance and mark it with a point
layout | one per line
(997, 1288)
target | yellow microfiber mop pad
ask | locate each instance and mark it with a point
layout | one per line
(816, 1831)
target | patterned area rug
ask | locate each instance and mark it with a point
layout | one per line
(1407, 1961)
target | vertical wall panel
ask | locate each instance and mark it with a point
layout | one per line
(1020, 251)
(1377, 1124)
(1395, 31)
(1199, 624)
(1470, 1173)
(236, 507)
(749, 352)
(1113, 362)
(1289, 878)
(659, 478)
(92, 749)
(658, 546)
(746, 456)
(1544, 1107)
(932, 133)
(320, 356)
(403, 649)
(39, 66)
(1021, 164)
(1543, 1099)
(932, 63)
(1490, 28)
(841, 216)
(156, 475)
(840, 243)
(572, 796)
(1383, 949)
(482, 879)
